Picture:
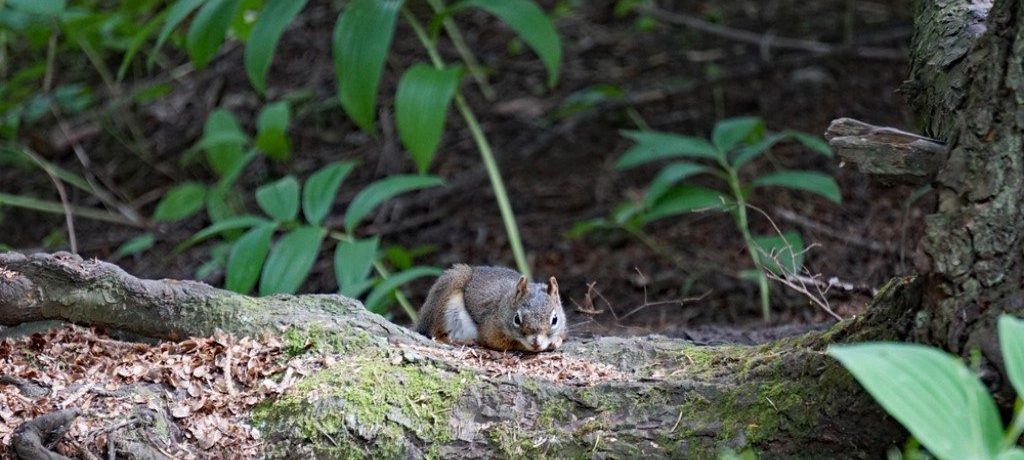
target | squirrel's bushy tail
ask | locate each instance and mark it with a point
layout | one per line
(452, 280)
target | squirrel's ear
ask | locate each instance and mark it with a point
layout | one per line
(521, 286)
(553, 287)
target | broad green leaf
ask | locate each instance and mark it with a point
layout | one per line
(222, 140)
(378, 192)
(226, 225)
(669, 176)
(180, 202)
(812, 142)
(361, 40)
(683, 199)
(40, 7)
(272, 130)
(208, 30)
(532, 25)
(259, 50)
(290, 261)
(781, 254)
(750, 152)
(814, 182)
(729, 133)
(1011, 341)
(1015, 453)
(353, 261)
(421, 108)
(583, 228)
(175, 14)
(931, 393)
(321, 188)
(379, 294)
(653, 146)
(280, 199)
(247, 256)
(136, 245)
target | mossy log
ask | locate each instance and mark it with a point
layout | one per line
(393, 393)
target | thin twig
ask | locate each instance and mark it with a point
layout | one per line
(855, 240)
(68, 213)
(768, 41)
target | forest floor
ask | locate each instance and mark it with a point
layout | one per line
(557, 160)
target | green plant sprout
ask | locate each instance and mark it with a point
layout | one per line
(938, 399)
(282, 265)
(734, 143)
(361, 42)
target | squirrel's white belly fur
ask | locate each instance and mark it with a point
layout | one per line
(458, 323)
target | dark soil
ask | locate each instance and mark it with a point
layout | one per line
(559, 170)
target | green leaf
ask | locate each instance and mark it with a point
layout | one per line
(222, 140)
(361, 40)
(175, 14)
(729, 133)
(259, 50)
(180, 202)
(290, 261)
(580, 229)
(421, 108)
(226, 225)
(39, 7)
(321, 188)
(353, 261)
(247, 256)
(280, 199)
(752, 151)
(1011, 341)
(379, 294)
(931, 393)
(532, 25)
(814, 182)
(208, 30)
(382, 190)
(1014, 453)
(138, 39)
(781, 254)
(683, 199)
(669, 176)
(812, 142)
(272, 130)
(136, 245)
(653, 146)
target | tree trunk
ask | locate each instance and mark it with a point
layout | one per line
(393, 393)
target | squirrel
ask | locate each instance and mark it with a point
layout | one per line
(495, 307)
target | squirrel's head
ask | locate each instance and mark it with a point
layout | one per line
(537, 320)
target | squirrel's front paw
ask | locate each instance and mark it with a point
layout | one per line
(555, 343)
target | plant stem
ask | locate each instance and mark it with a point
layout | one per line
(497, 184)
(740, 214)
(1016, 427)
(399, 295)
(455, 35)
(383, 272)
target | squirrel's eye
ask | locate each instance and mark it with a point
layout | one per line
(554, 319)
(517, 320)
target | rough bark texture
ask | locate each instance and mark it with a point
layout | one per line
(968, 85)
(387, 397)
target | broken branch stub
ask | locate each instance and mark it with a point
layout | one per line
(891, 155)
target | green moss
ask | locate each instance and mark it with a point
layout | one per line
(367, 402)
(299, 341)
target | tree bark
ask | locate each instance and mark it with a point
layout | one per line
(393, 393)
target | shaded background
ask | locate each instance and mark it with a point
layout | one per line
(556, 153)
